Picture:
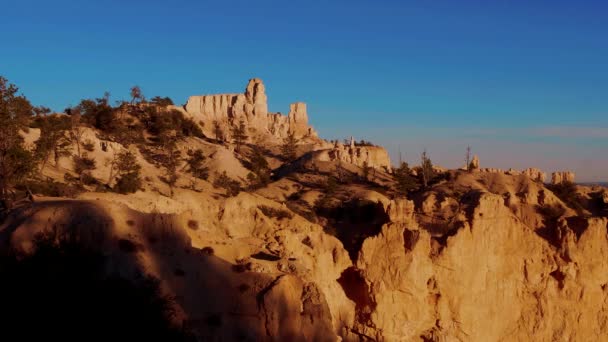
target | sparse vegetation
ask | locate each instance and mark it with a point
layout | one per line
(88, 145)
(171, 162)
(467, 159)
(364, 143)
(16, 162)
(49, 187)
(217, 131)
(289, 147)
(566, 191)
(271, 212)
(426, 169)
(83, 167)
(232, 186)
(53, 138)
(161, 101)
(195, 161)
(170, 123)
(239, 134)
(404, 179)
(365, 170)
(260, 168)
(551, 213)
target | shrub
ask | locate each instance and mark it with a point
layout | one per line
(232, 186)
(128, 183)
(274, 212)
(162, 122)
(551, 212)
(195, 162)
(50, 188)
(83, 164)
(128, 170)
(88, 145)
(566, 192)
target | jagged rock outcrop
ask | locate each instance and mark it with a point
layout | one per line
(532, 172)
(490, 278)
(562, 177)
(474, 163)
(252, 108)
(535, 174)
(373, 156)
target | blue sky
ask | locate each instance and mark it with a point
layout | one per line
(525, 83)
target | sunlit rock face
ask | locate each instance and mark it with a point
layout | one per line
(562, 177)
(251, 107)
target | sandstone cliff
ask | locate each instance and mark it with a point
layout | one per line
(561, 177)
(251, 107)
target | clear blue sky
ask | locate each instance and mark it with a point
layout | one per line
(525, 83)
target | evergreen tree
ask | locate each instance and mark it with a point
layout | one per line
(128, 171)
(289, 147)
(426, 169)
(195, 165)
(405, 181)
(217, 131)
(239, 134)
(16, 162)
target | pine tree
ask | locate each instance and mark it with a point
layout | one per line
(426, 169)
(16, 162)
(239, 134)
(195, 164)
(405, 181)
(289, 147)
(128, 171)
(217, 131)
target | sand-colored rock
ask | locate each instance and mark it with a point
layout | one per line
(493, 280)
(562, 177)
(475, 163)
(373, 156)
(252, 108)
(535, 174)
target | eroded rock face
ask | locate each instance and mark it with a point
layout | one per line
(491, 279)
(535, 174)
(372, 156)
(532, 172)
(562, 177)
(251, 107)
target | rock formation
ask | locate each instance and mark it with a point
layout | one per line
(490, 279)
(474, 163)
(535, 174)
(252, 108)
(562, 177)
(372, 156)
